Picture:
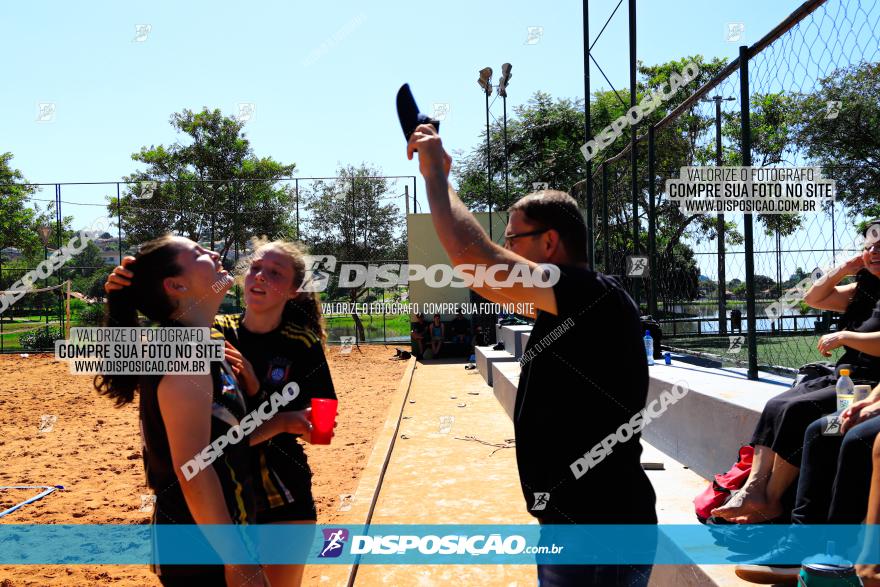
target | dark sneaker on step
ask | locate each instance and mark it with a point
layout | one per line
(775, 566)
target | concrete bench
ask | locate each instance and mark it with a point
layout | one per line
(505, 379)
(486, 357)
(705, 429)
(512, 338)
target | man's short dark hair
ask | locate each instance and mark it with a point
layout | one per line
(557, 210)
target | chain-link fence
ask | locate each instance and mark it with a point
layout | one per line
(358, 217)
(811, 92)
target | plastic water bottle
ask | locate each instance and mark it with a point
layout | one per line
(845, 389)
(649, 348)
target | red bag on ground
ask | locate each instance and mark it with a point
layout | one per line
(720, 490)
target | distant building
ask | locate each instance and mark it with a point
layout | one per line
(109, 248)
(10, 253)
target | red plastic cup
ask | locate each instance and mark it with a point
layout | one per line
(323, 419)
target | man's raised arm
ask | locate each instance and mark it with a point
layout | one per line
(461, 235)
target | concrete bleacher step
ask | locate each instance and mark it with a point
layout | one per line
(486, 357)
(505, 378)
(676, 486)
(705, 429)
(512, 336)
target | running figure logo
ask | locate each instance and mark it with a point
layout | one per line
(832, 109)
(345, 500)
(318, 271)
(147, 503)
(832, 426)
(541, 499)
(47, 422)
(347, 343)
(535, 34)
(334, 540)
(147, 189)
(735, 31)
(46, 112)
(736, 343)
(636, 266)
(141, 32)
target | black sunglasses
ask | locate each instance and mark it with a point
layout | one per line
(510, 237)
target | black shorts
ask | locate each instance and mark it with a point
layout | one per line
(212, 577)
(301, 510)
(283, 482)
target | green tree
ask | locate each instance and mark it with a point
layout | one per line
(18, 222)
(764, 283)
(351, 220)
(18, 228)
(545, 137)
(88, 272)
(848, 145)
(210, 185)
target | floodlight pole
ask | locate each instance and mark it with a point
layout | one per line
(506, 183)
(720, 227)
(488, 164)
(748, 219)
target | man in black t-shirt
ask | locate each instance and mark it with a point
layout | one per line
(584, 373)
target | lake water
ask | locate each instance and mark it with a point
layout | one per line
(709, 314)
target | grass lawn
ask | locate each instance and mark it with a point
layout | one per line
(11, 331)
(786, 351)
(396, 322)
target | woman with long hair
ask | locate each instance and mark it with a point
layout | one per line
(277, 340)
(174, 282)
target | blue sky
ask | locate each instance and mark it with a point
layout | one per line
(113, 94)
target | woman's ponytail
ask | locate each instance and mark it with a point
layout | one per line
(156, 260)
(120, 311)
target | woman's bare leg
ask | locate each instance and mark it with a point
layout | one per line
(870, 573)
(286, 575)
(753, 495)
(781, 478)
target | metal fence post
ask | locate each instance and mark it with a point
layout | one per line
(119, 222)
(720, 230)
(591, 235)
(58, 244)
(633, 152)
(652, 227)
(748, 219)
(606, 247)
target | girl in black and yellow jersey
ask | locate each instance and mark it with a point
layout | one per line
(173, 282)
(277, 340)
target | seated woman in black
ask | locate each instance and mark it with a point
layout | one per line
(778, 438)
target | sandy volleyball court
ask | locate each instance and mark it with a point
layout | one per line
(93, 450)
